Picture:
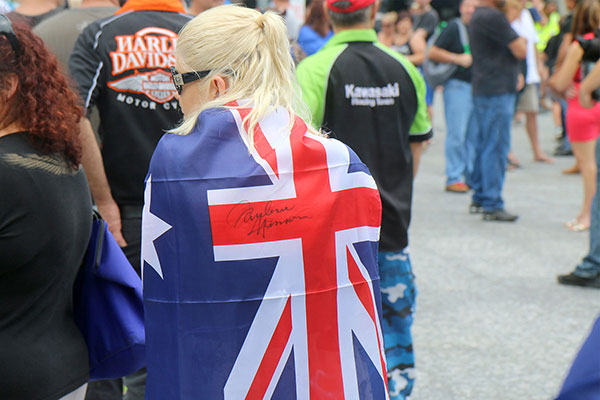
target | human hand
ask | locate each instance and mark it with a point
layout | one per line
(109, 210)
(585, 99)
(465, 60)
(571, 92)
(520, 82)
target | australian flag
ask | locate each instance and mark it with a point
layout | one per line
(260, 266)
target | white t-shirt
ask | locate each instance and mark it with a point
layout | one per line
(525, 28)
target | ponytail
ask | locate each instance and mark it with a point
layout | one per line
(252, 51)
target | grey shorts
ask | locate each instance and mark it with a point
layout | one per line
(528, 99)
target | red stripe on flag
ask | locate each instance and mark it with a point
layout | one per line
(274, 352)
(361, 287)
(261, 144)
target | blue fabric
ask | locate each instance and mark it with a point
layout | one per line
(108, 308)
(398, 296)
(583, 380)
(429, 94)
(430, 91)
(310, 41)
(460, 146)
(590, 266)
(493, 115)
(214, 282)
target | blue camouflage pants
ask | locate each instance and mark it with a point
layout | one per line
(398, 294)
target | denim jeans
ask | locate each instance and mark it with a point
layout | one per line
(493, 115)
(460, 147)
(590, 266)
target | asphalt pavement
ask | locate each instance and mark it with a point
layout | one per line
(492, 322)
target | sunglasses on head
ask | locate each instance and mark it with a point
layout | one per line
(187, 77)
(7, 31)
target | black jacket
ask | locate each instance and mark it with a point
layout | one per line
(121, 65)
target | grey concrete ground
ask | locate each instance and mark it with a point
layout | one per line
(492, 322)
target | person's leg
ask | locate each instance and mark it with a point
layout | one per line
(106, 389)
(132, 232)
(586, 159)
(494, 119)
(458, 109)
(398, 294)
(481, 136)
(590, 266)
(532, 133)
(557, 116)
(471, 140)
(529, 104)
(136, 385)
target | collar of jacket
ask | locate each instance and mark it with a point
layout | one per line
(352, 35)
(152, 5)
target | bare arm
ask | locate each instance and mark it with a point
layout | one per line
(94, 170)
(519, 48)
(564, 47)
(589, 84)
(562, 79)
(440, 55)
(418, 45)
(417, 149)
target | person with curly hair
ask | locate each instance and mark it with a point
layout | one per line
(45, 223)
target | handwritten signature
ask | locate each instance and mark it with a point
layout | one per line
(261, 219)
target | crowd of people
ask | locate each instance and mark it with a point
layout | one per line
(270, 223)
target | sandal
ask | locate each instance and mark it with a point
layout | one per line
(576, 226)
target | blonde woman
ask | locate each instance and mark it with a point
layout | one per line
(387, 35)
(259, 234)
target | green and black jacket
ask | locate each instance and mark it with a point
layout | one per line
(372, 99)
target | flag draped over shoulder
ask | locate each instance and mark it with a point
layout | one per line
(260, 268)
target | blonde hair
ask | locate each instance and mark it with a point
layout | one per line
(391, 16)
(252, 51)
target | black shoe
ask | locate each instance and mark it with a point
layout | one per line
(575, 280)
(475, 208)
(562, 150)
(499, 215)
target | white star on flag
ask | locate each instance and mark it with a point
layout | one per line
(152, 228)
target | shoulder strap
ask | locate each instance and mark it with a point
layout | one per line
(462, 31)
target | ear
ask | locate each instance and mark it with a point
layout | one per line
(218, 86)
(11, 84)
(375, 9)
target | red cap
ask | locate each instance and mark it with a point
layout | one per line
(348, 6)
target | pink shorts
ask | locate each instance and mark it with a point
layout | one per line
(583, 124)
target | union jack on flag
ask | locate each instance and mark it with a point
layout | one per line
(260, 268)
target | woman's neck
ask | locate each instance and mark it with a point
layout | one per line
(13, 127)
(32, 8)
(386, 38)
(402, 38)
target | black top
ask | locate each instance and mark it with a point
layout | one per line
(45, 224)
(449, 40)
(378, 135)
(495, 68)
(375, 103)
(403, 49)
(566, 26)
(427, 21)
(121, 65)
